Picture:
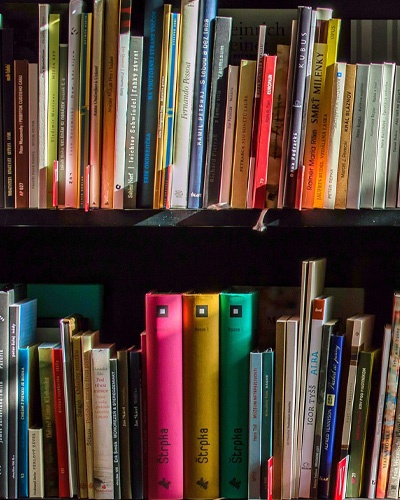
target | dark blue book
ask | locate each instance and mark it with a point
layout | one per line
(135, 422)
(207, 13)
(331, 404)
(153, 29)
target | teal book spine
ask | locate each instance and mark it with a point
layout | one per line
(238, 319)
(267, 418)
(23, 424)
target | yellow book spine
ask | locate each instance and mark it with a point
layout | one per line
(244, 121)
(201, 395)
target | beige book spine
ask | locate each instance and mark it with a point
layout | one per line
(36, 470)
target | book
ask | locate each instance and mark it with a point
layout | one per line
(122, 102)
(124, 421)
(36, 462)
(115, 427)
(133, 121)
(103, 460)
(62, 109)
(43, 100)
(201, 99)
(164, 406)
(330, 412)
(268, 361)
(184, 104)
(33, 169)
(363, 34)
(238, 319)
(216, 116)
(110, 57)
(244, 119)
(96, 102)
(255, 416)
(393, 165)
(21, 145)
(379, 413)
(143, 349)
(200, 390)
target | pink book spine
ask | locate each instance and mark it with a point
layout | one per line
(164, 396)
(264, 131)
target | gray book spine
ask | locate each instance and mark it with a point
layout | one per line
(115, 428)
(255, 413)
(394, 157)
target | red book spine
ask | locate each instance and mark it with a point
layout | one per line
(21, 134)
(61, 425)
(264, 131)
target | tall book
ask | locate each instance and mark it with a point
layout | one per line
(21, 145)
(102, 421)
(216, 115)
(200, 390)
(255, 415)
(7, 87)
(238, 319)
(96, 102)
(36, 462)
(136, 418)
(33, 135)
(115, 427)
(110, 56)
(43, 99)
(393, 165)
(72, 119)
(124, 421)
(143, 348)
(62, 113)
(267, 421)
(244, 120)
(205, 39)
(184, 97)
(122, 102)
(164, 395)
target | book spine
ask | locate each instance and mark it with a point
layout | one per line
(153, 23)
(13, 405)
(21, 141)
(124, 423)
(237, 314)
(2, 152)
(165, 406)
(36, 463)
(43, 101)
(87, 408)
(345, 139)
(122, 102)
(267, 420)
(329, 427)
(62, 114)
(4, 398)
(115, 428)
(299, 82)
(184, 112)
(102, 425)
(49, 424)
(72, 137)
(143, 348)
(61, 424)
(200, 370)
(216, 116)
(244, 120)
(33, 136)
(384, 135)
(394, 157)
(133, 121)
(255, 406)
(23, 416)
(205, 39)
(52, 118)
(136, 423)
(96, 102)
(379, 414)
(264, 132)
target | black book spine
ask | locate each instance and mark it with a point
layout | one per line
(4, 362)
(135, 422)
(299, 87)
(2, 192)
(7, 78)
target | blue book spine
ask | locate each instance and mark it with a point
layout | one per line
(331, 404)
(267, 417)
(23, 390)
(255, 411)
(207, 13)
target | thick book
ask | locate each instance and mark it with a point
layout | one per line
(124, 402)
(201, 390)
(115, 427)
(201, 99)
(122, 101)
(255, 415)
(216, 111)
(133, 122)
(329, 427)
(164, 395)
(238, 320)
(267, 421)
(43, 99)
(33, 168)
(394, 157)
(36, 462)
(62, 114)
(184, 105)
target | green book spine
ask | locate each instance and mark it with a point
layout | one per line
(238, 319)
(267, 431)
(62, 124)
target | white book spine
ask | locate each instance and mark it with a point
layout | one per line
(72, 139)
(322, 311)
(357, 137)
(33, 136)
(120, 121)
(255, 413)
(36, 472)
(394, 157)
(334, 137)
(187, 70)
(372, 116)
(384, 135)
(230, 121)
(43, 101)
(289, 417)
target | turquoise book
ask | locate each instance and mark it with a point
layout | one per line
(267, 418)
(238, 322)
